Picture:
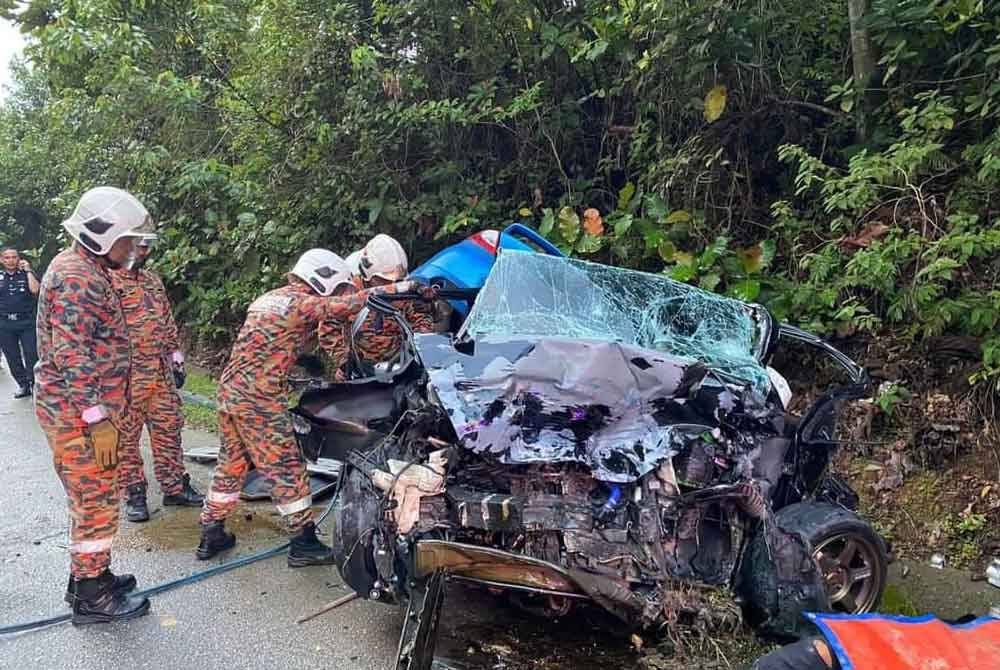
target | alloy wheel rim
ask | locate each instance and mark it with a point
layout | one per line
(849, 565)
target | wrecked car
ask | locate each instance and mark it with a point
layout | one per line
(594, 434)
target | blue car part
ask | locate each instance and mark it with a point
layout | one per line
(466, 265)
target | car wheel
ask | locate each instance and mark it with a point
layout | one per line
(852, 557)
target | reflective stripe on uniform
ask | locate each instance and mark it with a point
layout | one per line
(91, 546)
(296, 506)
(219, 497)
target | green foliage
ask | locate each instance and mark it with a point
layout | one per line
(200, 417)
(201, 383)
(890, 395)
(965, 532)
(923, 261)
(713, 141)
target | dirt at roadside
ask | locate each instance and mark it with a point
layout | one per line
(924, 455)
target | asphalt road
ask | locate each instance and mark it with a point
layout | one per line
(241, 619)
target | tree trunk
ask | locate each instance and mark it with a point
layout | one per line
(864, 59)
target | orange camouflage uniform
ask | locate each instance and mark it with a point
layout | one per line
(83, 353)
(379, 337)
(253, 399)
(155, 402)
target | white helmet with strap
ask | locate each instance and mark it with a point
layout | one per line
(353, 261)
(323, 270)
(105, 214)
(383, 257)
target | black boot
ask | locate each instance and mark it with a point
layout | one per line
(96, 601)
(188, 497)
(214, 539)
(135, 503)
(119, 583)
(306, 549)
(23, 391)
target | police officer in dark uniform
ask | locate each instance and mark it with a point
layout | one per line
(18, 291)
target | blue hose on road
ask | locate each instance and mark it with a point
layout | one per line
(13, 629)
(159, 588)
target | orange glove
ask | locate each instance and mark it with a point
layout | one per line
(104, 437)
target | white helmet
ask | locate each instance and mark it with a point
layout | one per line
(323, 270)
(353, 261)
(383, 257)
(104, 215)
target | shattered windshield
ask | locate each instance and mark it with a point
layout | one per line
(536, 295)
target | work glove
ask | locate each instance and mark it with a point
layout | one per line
(104, 437)
(180, 376)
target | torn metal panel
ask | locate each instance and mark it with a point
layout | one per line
(607, 405)
(491, 565)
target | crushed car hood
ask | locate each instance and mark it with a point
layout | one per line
(615, 408)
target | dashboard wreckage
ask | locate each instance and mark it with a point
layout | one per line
(593, 434)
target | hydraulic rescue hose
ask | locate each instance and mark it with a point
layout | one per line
(175, 583)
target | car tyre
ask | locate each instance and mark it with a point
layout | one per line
(852, 557)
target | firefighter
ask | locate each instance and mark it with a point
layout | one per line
(253, 402)
(378, 339)
(81, 383)
(157, 373)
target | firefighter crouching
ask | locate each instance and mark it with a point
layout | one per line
(253, 402)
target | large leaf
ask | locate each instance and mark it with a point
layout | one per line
(710, 281)
(597, 49)
(622, 224)
(746, 290)
(678, 216)
(751, 259)
(569, 224)
(656, 208)
(589, 244)
(548, 221)
(715, 103)
(685, 259)
(682, 273)
(756, 258)
(374, 210)
(625, 195)
(713, 252)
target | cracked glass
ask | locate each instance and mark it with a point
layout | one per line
(536, 295)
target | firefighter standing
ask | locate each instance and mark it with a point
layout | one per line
(18, 288)
(157, 372)
(253, 403)
(82, 391)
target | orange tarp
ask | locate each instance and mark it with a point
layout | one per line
(879, 642)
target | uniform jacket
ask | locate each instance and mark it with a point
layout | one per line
(151, 326)
(83, 346)
(280, 325)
